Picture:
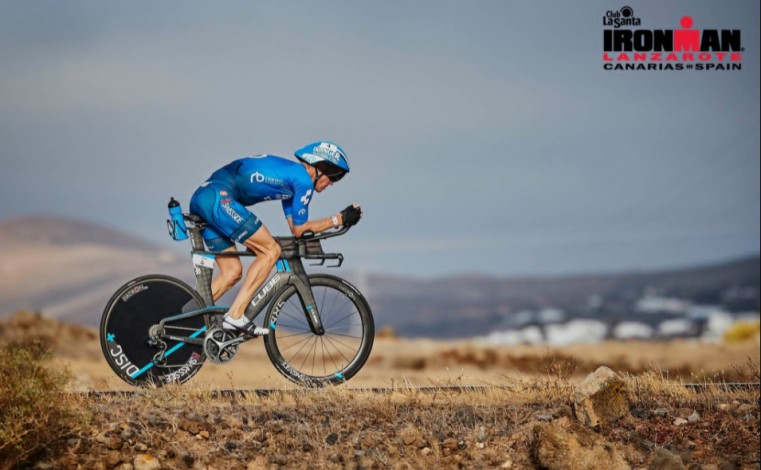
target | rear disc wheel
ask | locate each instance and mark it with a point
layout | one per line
(126, 326)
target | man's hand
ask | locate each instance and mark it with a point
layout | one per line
(351, 215)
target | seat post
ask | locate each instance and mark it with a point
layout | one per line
(196, 240)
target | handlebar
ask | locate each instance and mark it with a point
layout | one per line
(309, 235)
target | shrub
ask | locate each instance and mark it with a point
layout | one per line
(33, 413)
(742, 331)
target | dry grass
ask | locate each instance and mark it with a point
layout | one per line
(183, 427)
(520, 391)
(405, 427)
(33, 418)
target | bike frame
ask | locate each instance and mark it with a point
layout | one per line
(290, 271)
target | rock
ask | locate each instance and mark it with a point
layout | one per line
(426, 451)
(555, 447)
(113, 458)
(694, 417)
(640, 413)
(601, 398)
(680, 422)
(665, 460)
(193, 426)
(661, 412)
(544, 417)
(112, 441)
(332, 438)
(450, 443)
(146, 462)
(278, 459)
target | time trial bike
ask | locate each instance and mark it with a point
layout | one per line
(156, 329)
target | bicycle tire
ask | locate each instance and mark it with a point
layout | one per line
(124, 331)
(348, 323)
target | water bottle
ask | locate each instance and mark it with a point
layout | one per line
(176, 224)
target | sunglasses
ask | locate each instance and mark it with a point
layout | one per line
(335, 176)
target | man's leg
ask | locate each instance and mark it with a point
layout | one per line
(230, 272)
(267, 253)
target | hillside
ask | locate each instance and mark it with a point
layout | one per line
(466, 306)
(69, 269)
(63, 232)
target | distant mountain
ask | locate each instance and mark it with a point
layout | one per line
(69, 269)
(468, 306)
(49, 230)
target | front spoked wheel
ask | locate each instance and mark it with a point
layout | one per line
(316, 360)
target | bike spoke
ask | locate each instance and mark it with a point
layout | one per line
(341, 320)
(336, 340)
(296, 344)
(343, 335)
(304, 328)
(294, 317)
(307, 354)
(332, 360)
(338, 350)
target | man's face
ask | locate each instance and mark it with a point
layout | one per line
(322, 183)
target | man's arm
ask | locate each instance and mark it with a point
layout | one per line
(315, 225)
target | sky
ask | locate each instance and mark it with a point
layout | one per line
(484, 136)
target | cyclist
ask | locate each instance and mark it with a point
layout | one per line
(221, 201)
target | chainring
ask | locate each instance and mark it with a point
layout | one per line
(221, 345)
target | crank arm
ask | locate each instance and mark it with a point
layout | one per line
(184, 339)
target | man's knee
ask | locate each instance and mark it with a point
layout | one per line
(272, 251)
(264, 245)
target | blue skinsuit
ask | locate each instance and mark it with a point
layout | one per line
(222, 199)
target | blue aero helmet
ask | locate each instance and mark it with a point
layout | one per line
(328, 158)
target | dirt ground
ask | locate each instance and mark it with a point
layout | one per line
(527, 420)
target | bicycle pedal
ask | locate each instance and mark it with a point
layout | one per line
(259, 331)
